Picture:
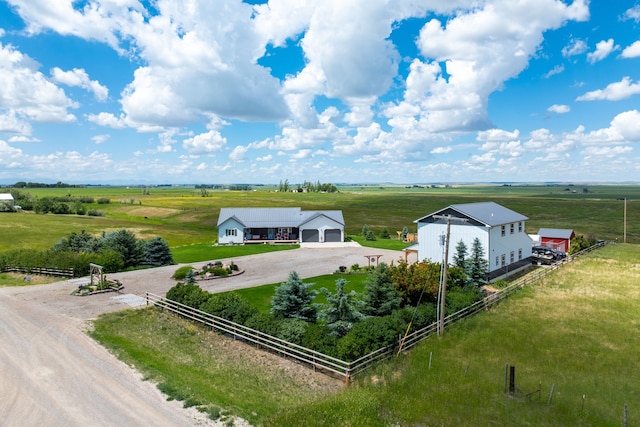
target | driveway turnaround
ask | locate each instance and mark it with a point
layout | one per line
(52, 373)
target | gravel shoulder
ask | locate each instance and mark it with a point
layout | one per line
(54, 374)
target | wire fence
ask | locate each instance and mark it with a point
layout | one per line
(334, 366)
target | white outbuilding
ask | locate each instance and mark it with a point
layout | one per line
(500, 230)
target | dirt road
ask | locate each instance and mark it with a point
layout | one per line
(53, 374)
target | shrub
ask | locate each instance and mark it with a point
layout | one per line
(94, 212)
(79, 208)
(420, 316)
(292, 330)
(104, 201)
(181, 273)
(230, 306)
(216, 271)
(110, 260)
(369, 335)
(264, 322)
(319, 337)
(459, 298)
(188, 294)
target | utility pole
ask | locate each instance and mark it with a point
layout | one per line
(625, 220)
(445, 267)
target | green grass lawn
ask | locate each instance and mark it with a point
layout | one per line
(260, 296)
(18, 279)
(577, 330)
(209, 251)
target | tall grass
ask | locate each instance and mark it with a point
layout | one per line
(575, 330)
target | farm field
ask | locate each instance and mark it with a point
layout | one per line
(572, 338)
(183, 217)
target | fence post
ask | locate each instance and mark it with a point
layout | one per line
(553, 386)
(512, 380)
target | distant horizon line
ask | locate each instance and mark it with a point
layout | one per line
(344, 184)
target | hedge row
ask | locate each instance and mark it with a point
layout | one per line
(364, 337)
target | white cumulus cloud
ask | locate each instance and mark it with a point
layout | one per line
(79, 77)
(204, 143)
(603, 49)
(559, 109)
(613, 92)
(631, 51)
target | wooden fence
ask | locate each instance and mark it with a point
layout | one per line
(61, 272)
(332, 365)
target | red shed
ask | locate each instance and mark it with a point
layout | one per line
(556, 238)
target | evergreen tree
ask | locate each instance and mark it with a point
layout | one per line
(82, 242)
(365, 230)
(380, 296)
(342, 310)
(157, 252)
(460, 257)
(294, 299)
(477, 263)
(125, 242)
(405, 231)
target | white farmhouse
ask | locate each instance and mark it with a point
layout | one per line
(501, 231)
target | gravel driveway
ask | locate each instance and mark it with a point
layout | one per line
(54, 374)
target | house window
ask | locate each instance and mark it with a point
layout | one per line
(519, 254)
(232, 232)
(512, 257)
(513, 228)
(503, 258)
(497, 260)
(519, 227)
(504, 230)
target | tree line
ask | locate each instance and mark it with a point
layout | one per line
(115, 251)
(307, 186)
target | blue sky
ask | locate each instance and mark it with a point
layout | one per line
(402, 91)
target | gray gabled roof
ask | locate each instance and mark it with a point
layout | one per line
(334, 215)
(274, 217)
(6, 196)
(555, 233)
(488, 213)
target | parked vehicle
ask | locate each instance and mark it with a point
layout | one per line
(546, 255)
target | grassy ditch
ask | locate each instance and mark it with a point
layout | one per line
(22, 279)
(204, 369)
(575, 331)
